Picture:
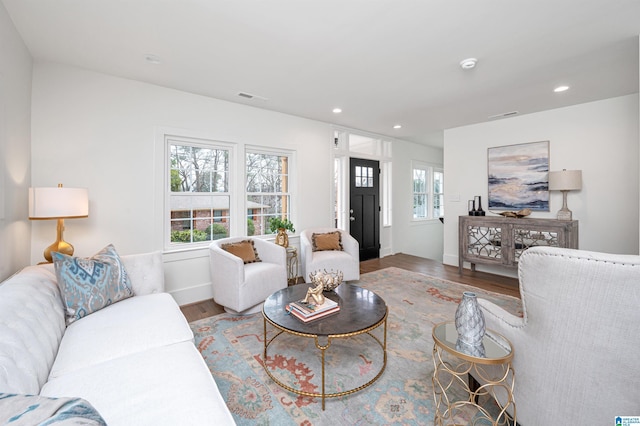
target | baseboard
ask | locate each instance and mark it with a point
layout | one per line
(496, 270)
(186, 296)
(449, 259)
(386, 252)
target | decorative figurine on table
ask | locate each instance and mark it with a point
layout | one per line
(330, 280)
(315, 293)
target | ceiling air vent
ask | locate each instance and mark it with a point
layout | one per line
(251, 96)
(503, 115)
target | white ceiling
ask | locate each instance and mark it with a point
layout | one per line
(382, 61)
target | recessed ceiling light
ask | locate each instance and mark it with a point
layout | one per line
(561, 89)
(337, 110)
(468, 63)
(397, 126)
(152, 59)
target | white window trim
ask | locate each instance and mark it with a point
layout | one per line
(172, 139)
(429, 168)
(237, 186)
(343, 189)
(387, 197)
(382, 154)
(292, 182)
(433, 172)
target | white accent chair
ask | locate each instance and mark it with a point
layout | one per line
(347, 260)
(576, 349)
(242, 288)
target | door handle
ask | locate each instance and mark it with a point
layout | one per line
(351, 218)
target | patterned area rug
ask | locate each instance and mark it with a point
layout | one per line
(232, 347)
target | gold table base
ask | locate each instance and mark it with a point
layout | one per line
(323, 348)
(292, 265)
(451, 373)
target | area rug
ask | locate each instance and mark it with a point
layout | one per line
(232, 347)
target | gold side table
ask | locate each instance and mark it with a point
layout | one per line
(456, 368)
(292, 265)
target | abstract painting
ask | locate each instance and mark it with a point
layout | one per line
(519, 176)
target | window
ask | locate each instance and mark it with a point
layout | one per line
(339, 163)
(345, 145)
(386, 194)
(364, 177)
(438, 193)
(199, 196)
(205, 198)
(428, 192)
(420, 194)
(268, 189)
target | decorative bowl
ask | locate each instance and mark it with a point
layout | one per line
(330, 280)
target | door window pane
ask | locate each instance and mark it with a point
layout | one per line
(364, 177)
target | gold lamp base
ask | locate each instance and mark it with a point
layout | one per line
(60, 245)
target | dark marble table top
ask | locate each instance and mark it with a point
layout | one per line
(359, 309)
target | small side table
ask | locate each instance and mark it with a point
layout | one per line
(292, 265)
(455, 363)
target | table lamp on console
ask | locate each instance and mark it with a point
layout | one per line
(58, 203)
(565, 181)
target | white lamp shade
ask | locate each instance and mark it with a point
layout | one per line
(565, 180)
(58, 203)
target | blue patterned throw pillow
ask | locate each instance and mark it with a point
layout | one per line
(29, 410)
(88, 285)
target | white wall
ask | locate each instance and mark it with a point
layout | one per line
(101, 132)
(15, 147)
(423, 238)
(96, 131)
(600, 138)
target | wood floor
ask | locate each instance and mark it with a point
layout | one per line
(495, 283)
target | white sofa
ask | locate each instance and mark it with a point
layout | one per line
(134, 360)
(576, 356)
(347, 260)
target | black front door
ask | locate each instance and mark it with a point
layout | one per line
(364, 210)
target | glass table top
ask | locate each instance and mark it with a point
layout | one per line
(493, 349)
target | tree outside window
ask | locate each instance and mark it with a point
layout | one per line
(267, 189)
(438, 194)
(199, 195)
(420, 194)
(428, 192)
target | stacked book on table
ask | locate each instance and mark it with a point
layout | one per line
(308, 311)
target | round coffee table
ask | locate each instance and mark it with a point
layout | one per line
(361, 311)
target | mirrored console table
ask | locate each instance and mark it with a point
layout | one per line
(501, 240)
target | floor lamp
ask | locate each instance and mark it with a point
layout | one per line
(58, 203)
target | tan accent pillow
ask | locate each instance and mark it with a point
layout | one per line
(327, 241)
(244, 249)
